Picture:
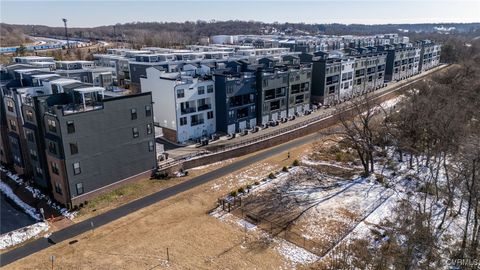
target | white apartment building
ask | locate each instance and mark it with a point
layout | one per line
(183, 106)
(346, 78)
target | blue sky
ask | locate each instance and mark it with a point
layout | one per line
(93, 13)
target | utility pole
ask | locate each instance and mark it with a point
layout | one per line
(66, 33)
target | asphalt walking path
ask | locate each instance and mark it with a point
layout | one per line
(107, 217)
(124, 210)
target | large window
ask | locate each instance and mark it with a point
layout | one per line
(54, 167)
(73, 148)
(151, 146)
(183, 121)
(70, 127)
(135, 132)
(29, 135)
(201, 90)
(76, 168)
(149, 129)
(13, 125)
(52, 125)
(58, 188)
(209, 88)
(29, 115)
(52, 148)
(133, 113)
(148, 111)
(10, 105)
(210, 115)
(180, 93)
(79, 187)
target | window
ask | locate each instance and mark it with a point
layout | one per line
(58, 188)
(52, 125)
(10, 105)
(209, 88)
(151, 146)
(33, 154)
(13, 125)
(29, 135)
(148, 111)
(73, 148)
(201, 90)
(183, 121)
(149, 129)
(230, 89)
(39, 171)
(135, 132)
(180, 93)
(210, 115)
(76, 168)
(231, 114)
(70, 127)
(52, 148)
(79, 187)
(54, 167)
(133, 113)
(29, 115)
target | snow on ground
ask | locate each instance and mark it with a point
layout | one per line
(18, 236)
(294, 253)
(23, 234)
(249, 176)
(392, 102)
(339, 165)
(38, 194)
(4, 188)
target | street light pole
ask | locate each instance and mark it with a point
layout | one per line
(66, 33)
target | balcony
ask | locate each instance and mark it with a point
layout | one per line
(197, 122)
(187, 110)
(204, 107)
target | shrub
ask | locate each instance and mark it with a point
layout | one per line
(271, 176)
(249, 186)
(233, 193)
(296, 162)
(256, 183)
(284, 169)
(241, 190)
(380, 178)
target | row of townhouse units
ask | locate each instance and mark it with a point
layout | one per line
(237, 95)
(340, 76)
(74, 140)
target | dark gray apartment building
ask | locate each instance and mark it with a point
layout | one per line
(402, 61)
(93, 141)
(236, 100)
(429, 54)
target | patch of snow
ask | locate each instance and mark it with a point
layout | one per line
(245, 224)
(38, 194)
(5, 189)
(18, 236)
(295, 254)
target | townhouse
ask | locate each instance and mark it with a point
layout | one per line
(184, 106)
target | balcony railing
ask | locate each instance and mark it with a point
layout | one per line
(188, 110)
(204, 107)
(198, 122)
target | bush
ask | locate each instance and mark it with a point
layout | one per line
(380, 178)
(256, 183)
(249, 186)
(296, 162)
(271, 176)
(241, 190)
(233, 193)
(284, 169)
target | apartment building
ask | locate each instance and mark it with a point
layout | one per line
(429, 54)
(236, 98)
(93, 141)
(299, 89)
(184, 106)
(369, 69)
(402, 61)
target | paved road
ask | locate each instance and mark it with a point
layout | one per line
(128, 208)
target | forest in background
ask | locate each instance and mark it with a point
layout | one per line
(196, 32)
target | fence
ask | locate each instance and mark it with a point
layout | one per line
(378, 97)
